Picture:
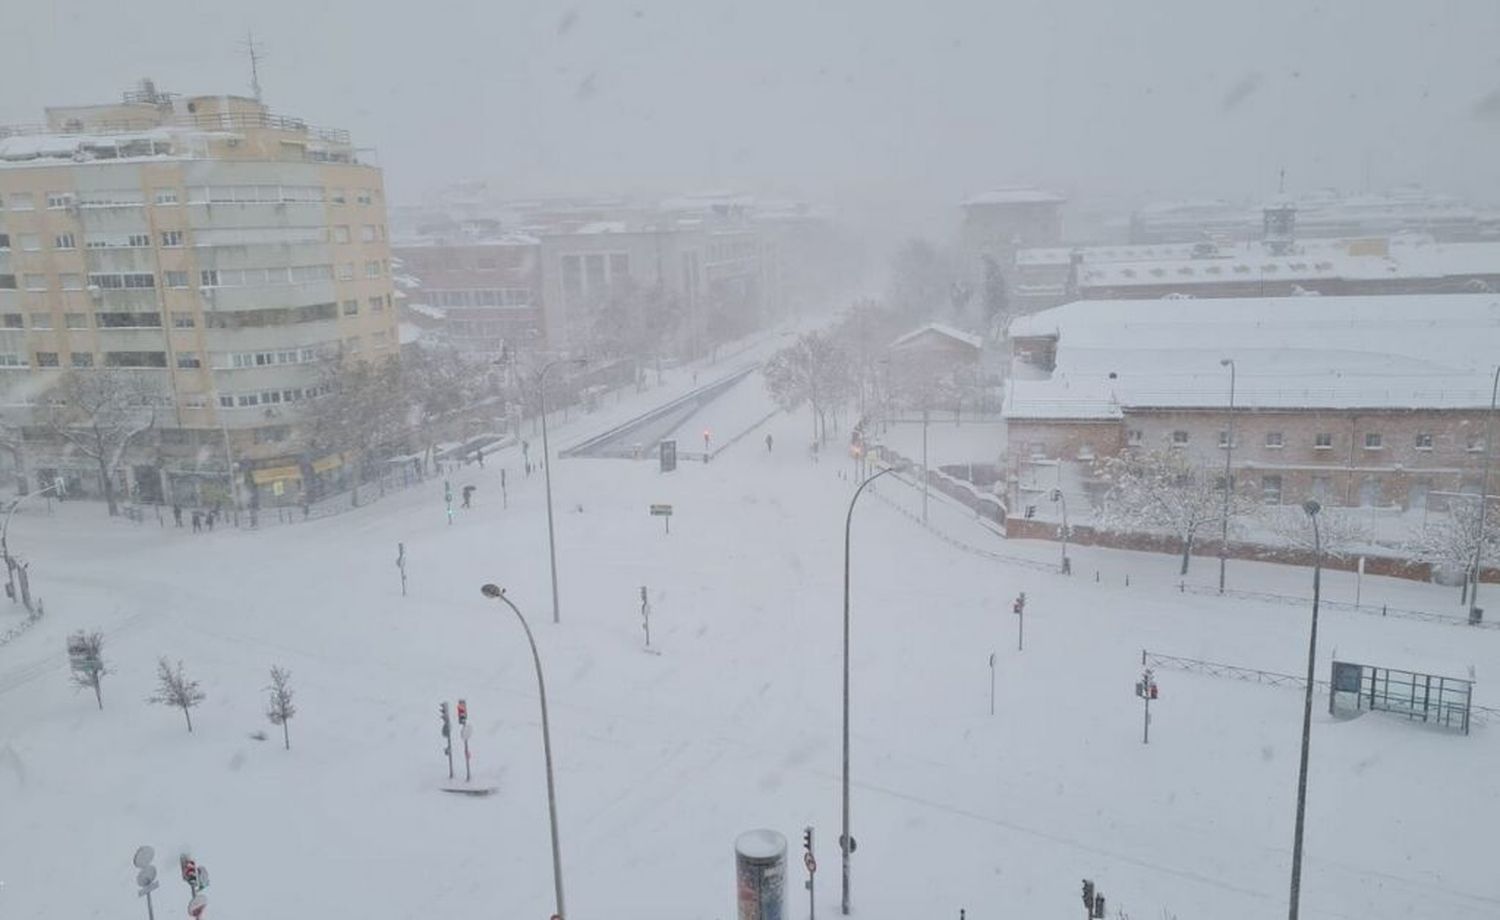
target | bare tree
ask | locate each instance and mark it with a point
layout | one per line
(175, 688)
(102, 413)
(279, 705)
(1343, 532)
(86, 653)
(1450, 540)
(360, 413)
(1163, 491)
(811, 370)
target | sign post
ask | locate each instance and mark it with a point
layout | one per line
(668, 456)
(1359, 575)
(401, 564)
(145, 879)
(1145, 688)
(812, 867)
(1019, 609)
(447, 735)
(464, 732)
(663, 511)
(646, 616)
(992, 683)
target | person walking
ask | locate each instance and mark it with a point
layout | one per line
(177, 514)
(468, 496)
(210, 520)
(479, 455)
(197, 521)
(768, 443)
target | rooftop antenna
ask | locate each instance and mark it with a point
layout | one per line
(255, 50)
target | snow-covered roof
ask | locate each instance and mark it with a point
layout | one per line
(605, 226)
(973, 341)
(23, 149)
(1410, 351)
(1015, 195)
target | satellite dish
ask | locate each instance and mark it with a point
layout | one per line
(146, 876)
(143, 857)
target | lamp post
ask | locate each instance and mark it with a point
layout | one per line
(1228, 456)
(1312, 508)
(1058, 496)
(541, 385)
(5, 533)
(1484, 489)
(845, 841)
(498, 593)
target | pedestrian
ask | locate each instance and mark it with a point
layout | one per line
(197, 521)
(468, 496)
(210, 520)
(526, 455)
(479, 455)
(768, 443)
(177, 514)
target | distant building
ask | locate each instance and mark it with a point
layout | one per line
(219, 250)
(1001, 221)
(479, 293)
(1362, 401)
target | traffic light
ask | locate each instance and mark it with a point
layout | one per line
(807, 839)
(189, 871)
(1088, 894)
(1020, 603)
(463, 712)
(1098, 907)
(443, 713)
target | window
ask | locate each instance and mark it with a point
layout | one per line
(189, 359)
(76, 320)
(41, 320)
(71, 281)
(1270, 490)
(351, 344)
(387, 301)
(7, 282)
(22, 201)
(181, 320)
(177, 279)
(138, 240)
(47, 359)
(379, 339)
(351, 307)
(372, 268)
(376, 304)
(209, 278)
(1424, 441)
(1179, 438)
(346, 271)
(171, 238)
(1133, 436)
(1323, 440)
(337, 196)
(341, 233)
(4, 242)
(1274, 440)
(35, 282)
(364, 196)
(64, 241)
(81, 359)
(226, 402)
(139, 280)
(120, 320)
(58, 200)
(11, 359)
(135, 359)
(166, 196)
(367, 233)
(1223, 438)
(31, 242)
(1475, 443)
(1322, 488)
(619, 267)
(12, 321)
(1373, 441)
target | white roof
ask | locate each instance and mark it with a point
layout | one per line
(942, 329)
(1015, 195)
(1418, 351)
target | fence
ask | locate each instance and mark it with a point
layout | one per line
(1383, 610)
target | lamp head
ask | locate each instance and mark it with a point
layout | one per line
(1311, 507)
(1225, 362)
(491, 590)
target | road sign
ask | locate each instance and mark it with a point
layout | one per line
(148, 888)
(147, 876)
(661, 510)
(143, 857)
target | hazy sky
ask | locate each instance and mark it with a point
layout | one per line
(903, 105)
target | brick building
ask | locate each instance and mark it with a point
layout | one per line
(1359, 401)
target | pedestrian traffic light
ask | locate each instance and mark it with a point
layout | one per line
(1098, 907)
(443, 713)
(1088, 894)
(1020, 604)
(189, 870)
(463, 712)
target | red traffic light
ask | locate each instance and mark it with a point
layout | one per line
(463, 712)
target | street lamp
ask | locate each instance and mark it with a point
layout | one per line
(1312, 508)
(1058, 496)
(1484, 488)
(1228, 455)
(498, 593)
(541, 385)
(845, 841)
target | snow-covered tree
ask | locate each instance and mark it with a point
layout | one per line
(175, 688)
(1343, 532)
(89, 669)
(996, 297)
(634, 321)
(361, 413)
(1163, 491)
(279, 705)
(101, 414)
(811, 370)
(438, 384)
(1449, 540)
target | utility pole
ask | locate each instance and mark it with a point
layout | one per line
(401, 564)
(812, 868)
(1228, 478)
(1475, 613)
(992, 683)
(924, 464)
(646, 616)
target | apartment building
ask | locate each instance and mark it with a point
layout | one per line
(220, 251)
(1357, 401)
(482, 289)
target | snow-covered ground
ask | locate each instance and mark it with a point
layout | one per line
(663, 760)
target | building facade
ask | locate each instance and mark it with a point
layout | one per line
(487, 291)
(220, 252)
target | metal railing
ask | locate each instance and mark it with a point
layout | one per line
(215, 121)
(1375, 610)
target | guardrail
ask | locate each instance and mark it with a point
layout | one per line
(590, 445)
(1383, 610)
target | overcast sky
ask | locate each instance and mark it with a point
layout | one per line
(905, 105)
